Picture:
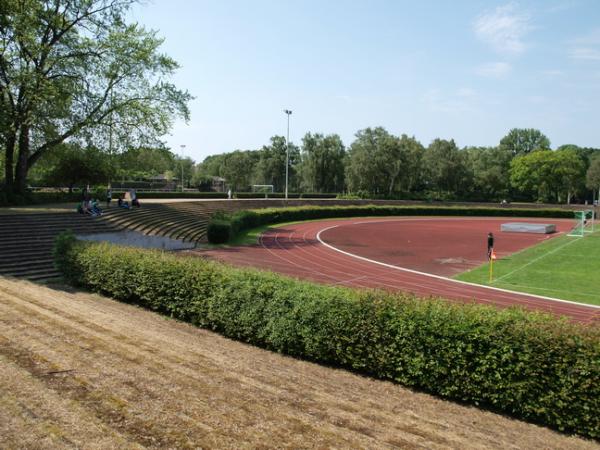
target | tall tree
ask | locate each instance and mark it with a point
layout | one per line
(381, 163)
(592, 177)
(145, 162)
(521, 141)
(322, 163)
(237, 168)
(489, 167)
(73, 165)
(270, 168)
(549, 175)
(445, 167)
(183, 166)
(75, 70)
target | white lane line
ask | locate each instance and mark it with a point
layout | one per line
(466, 283)
(533, 261)
(351, 280)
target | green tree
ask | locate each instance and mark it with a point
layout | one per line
(445, 168)
(592, 177)
(211, 166)
(144, 163)
(489, 167)
(382, 164)
(187, 164)
(548, 175)
(75, 70)
(322, 163)
(71, 165)
(270, 168)
(237, 168)
(521, 141)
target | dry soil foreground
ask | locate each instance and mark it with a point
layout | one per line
(83, 371)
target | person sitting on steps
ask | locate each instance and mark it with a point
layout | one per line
(122, 202)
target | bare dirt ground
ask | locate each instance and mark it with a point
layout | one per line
(82, 371)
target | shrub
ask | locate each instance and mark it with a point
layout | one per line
(530, 365)
(243, 220)
(190, 195)
(317, 195)
(219, 231)
(265, 195)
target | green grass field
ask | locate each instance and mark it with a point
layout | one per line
(564, 267)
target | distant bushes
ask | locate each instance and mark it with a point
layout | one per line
(282, 195)
(34, 198)
(190, 195)
(243, 220)
(529, 365)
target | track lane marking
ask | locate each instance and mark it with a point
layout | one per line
(466, 283)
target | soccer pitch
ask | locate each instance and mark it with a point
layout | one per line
(564, 267)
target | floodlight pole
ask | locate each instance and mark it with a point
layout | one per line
(287, 151)
(182, 148)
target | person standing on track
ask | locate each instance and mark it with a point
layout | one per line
(490, 244)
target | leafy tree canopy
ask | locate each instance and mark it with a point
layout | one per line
(322, 163)
(521, 141)
(76, 70)
(548, 174)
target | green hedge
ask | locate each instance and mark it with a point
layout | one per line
(143, 195)
(282, 195)
(317, 195)
(243, 220)
(529, 365)
(263, 194)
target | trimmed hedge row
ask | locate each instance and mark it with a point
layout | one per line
(223, 227)
(264, 195)
(143, 195)
(282, 195)
(530, 365)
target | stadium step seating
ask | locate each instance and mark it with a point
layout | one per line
(26, 239)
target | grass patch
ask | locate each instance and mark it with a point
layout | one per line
(564, 267)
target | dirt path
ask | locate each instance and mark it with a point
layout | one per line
(79, 370)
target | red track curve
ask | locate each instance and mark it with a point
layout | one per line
(296, 250)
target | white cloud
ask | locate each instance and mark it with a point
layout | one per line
(585, 53)
(504, 29)
(587, 47)
(592, 38)
(494, 69)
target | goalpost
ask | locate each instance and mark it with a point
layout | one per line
(584, 223)
(263, 188)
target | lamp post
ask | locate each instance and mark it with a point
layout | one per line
(287, 151)
(182, 148)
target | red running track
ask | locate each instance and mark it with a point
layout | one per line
(393, 253)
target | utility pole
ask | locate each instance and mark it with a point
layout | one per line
(287, 151)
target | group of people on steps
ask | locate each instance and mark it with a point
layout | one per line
(91, 206)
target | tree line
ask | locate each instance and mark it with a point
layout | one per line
(76, 74)
(85, 97)
(379, 164)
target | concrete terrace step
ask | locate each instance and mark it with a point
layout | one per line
(26, 239)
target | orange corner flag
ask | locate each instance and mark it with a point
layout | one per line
(493, 255)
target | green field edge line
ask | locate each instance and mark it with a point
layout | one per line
(555, 244)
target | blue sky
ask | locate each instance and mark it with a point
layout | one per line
(462, 70)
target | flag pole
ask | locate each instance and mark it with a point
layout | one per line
(491, 268)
